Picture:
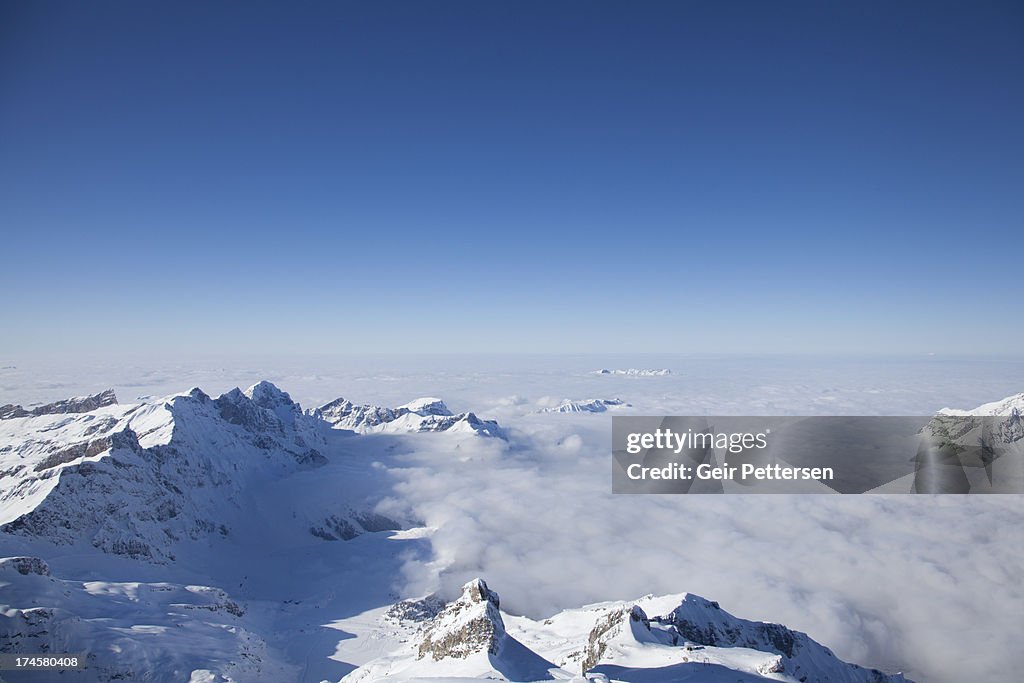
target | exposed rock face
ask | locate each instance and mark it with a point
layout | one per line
(704, 622)
(25, 565)
(467, 640)
(344, 414)
(415, 612)
(349, 524)
(970, 431)
(85, 449)
(463, 422)
(971, 451)
(999, 422)
(700, 621)
(77, 404)
(238, 409)
(772, 666)
(468, 625)
(607, 628)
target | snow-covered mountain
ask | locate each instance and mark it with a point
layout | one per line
(420, 415)
(636, 372)
(672, 637)
(973, 451)
(999, 422)
(136, 479)
(1007, 407)
(587, 405)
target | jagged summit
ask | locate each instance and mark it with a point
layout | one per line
(135, 479)
(266, 395)
(465, 639)
(197, 394)
(426, 406)
(470, 624)
(419, 415)
(672, 637)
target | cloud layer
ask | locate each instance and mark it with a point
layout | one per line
(928, 585)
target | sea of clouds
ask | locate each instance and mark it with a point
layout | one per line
(927, 585)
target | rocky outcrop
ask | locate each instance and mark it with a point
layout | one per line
(773, 665)
(613, 624)
(466, 626)
(25, 565)
(701, 621)
(77, 404)
(415, 612)
(350, 524)
(653, 638)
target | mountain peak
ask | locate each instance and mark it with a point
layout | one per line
(469, 625)
(427, 414)
(427, 405)
(267, 395)
(477, 591)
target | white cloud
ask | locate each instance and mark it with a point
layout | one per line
(927, 584)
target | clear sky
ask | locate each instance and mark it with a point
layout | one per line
(511, 176)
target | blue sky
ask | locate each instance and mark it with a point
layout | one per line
(569, 177)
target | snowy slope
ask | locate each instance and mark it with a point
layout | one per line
(135, 479)
(225, 509)
(420, 415)
(153, 627)
(588, 405)
(1007, 406)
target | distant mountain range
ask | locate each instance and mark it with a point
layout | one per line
(194, 486)
(635, 372)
